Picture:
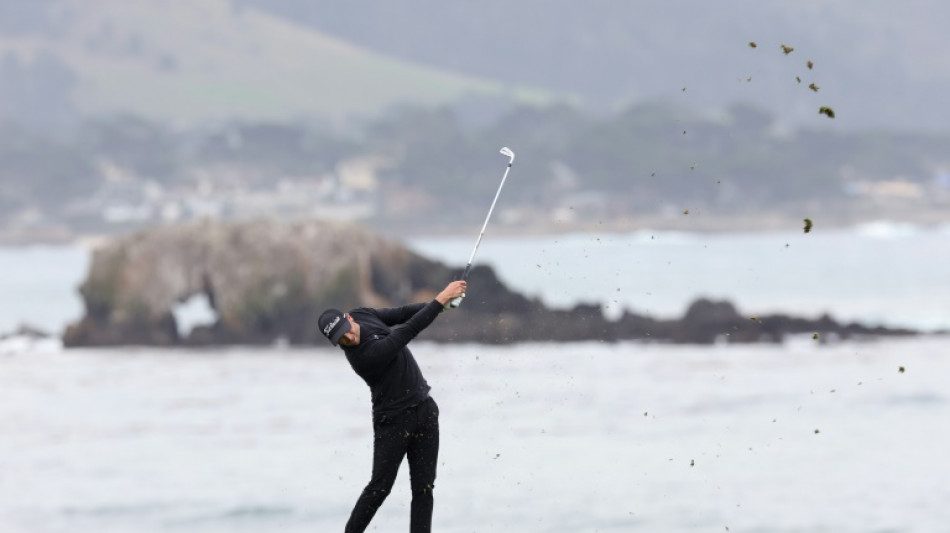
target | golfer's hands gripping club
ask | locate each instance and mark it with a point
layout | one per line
(451, 296)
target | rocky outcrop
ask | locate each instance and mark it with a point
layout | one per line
(269, 281)
(265, 280)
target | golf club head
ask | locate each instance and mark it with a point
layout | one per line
(507, 151)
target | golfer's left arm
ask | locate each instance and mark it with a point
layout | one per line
(425, 315)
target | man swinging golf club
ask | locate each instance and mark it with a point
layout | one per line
(405, 417)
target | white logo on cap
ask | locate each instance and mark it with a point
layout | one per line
(331, 325)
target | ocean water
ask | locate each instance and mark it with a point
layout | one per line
(39, 286)
(877, 274)
(576, 437)
(548, 438)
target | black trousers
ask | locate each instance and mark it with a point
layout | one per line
(413, 433)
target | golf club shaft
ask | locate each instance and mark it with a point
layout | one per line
(485, 225)
(458, 301)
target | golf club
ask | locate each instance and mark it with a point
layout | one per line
(511, 155)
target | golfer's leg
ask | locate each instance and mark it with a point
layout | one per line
(389, 447)
(423, 455)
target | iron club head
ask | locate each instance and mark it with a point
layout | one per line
(507, 151)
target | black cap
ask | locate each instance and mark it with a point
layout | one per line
(333, 324)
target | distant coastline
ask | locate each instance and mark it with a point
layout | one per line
(688, 220)
(698, 221)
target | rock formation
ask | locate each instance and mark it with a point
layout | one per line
(265, 280)
(269, 280)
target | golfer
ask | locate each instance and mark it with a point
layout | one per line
(405, 417)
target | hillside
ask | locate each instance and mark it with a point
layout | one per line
(186, 62)
(879, 63)
(878, 66)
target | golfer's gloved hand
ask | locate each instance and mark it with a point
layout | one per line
(454, 303)
(451, 296)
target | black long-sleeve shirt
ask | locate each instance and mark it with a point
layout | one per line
(384, 361)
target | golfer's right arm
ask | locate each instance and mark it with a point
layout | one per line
(392, 316)
(382, 349)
